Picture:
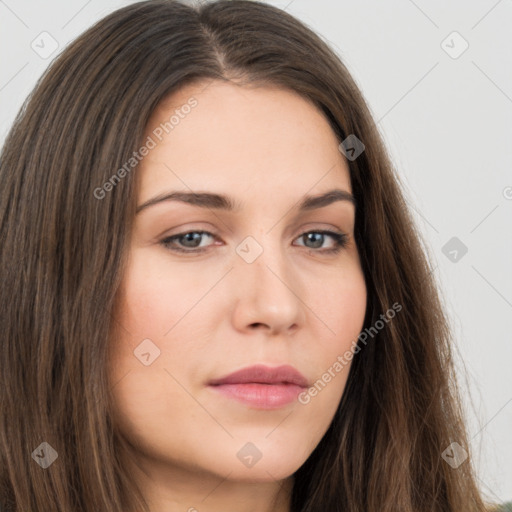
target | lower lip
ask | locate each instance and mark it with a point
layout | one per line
(261, 396)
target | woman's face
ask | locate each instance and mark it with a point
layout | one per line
(253, 289)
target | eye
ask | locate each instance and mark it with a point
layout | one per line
(191, 241)
(317, 239)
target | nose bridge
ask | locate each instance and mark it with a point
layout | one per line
(266, 287)
(262, 258)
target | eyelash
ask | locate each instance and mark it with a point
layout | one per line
(340, 239)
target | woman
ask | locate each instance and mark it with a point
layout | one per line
(214, 297)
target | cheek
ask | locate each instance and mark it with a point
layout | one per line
(156, 296)
(341, 307)
(160, 313)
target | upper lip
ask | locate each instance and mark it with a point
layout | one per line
(261, 374)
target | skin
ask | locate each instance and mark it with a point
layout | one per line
(213, 313)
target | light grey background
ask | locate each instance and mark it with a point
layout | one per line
(447, 120)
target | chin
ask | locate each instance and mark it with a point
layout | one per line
(265, 461)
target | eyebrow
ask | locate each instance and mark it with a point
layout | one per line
(221, 202)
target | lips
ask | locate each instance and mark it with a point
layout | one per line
(262, 387)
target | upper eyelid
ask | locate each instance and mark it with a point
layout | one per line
(212, 231)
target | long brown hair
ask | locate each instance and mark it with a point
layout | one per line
(63, 251)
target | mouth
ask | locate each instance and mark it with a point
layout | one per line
(262, 387)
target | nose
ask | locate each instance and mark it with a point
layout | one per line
(267, 295)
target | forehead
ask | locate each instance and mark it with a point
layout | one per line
(226, 137)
